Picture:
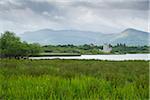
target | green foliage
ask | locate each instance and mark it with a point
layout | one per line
(35, 48)
(123, 49)
(74, 80)
(94, 49)
(81, 49)
(11, 46)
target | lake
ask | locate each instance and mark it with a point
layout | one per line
(102, 57)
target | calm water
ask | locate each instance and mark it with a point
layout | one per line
(103, 57)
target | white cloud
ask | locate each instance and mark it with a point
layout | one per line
(28, 15)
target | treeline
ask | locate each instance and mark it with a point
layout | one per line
(123, 49)
(12, 47)
(70, 48)
(94, 49)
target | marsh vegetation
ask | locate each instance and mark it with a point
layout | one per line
(73, 79)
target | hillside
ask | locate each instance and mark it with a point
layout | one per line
(48, 36)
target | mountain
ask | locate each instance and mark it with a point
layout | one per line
(132, 37)
(47, 36)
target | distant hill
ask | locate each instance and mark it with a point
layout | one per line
(132, 37)
(47, 36)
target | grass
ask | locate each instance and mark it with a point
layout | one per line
(55, 54)
(73, 80)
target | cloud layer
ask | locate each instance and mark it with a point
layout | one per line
(107, 16)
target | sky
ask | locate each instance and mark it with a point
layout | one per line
(106, 16)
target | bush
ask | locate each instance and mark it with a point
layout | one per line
(12, 47)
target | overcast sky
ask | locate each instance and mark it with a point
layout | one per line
(107, 16)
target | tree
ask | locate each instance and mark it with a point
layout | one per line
(34, 49)
(11, 46)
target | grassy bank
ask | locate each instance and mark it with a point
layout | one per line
(54, 54)
(73, 80)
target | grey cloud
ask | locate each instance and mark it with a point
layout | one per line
(74, 14)
(103, 4)
(53, 11)
(51, 8)
(7, 5)
(39, 7)
(124, 5)
(131, 5)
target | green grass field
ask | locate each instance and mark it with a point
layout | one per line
(74, 80)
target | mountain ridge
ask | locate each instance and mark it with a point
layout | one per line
(129, 36)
